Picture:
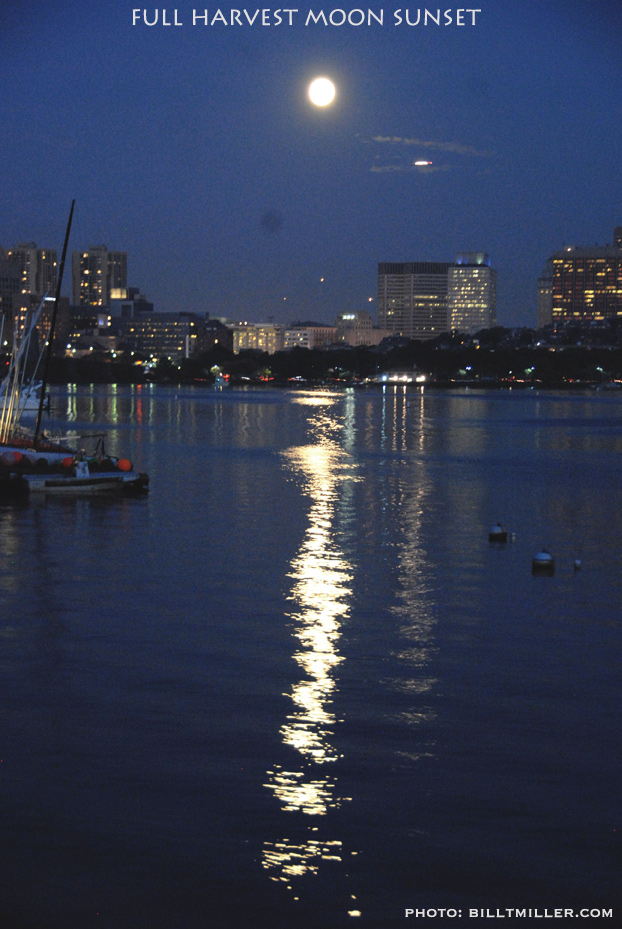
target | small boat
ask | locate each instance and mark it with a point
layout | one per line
(31, 462)
(543, 563)
(22, 473)
(74, 475)
(29, 397)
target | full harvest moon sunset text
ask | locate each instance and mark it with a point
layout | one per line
(335, 17)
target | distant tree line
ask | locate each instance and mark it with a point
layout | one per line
(499, 356)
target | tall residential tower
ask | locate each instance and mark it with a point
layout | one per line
(98, 275)
(36, 268)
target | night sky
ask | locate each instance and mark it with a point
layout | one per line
(195, 149)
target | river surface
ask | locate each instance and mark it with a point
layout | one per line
(295, 685)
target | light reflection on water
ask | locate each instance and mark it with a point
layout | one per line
(463, 705)
(321, 588)
(410, 502)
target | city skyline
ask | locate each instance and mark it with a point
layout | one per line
(196, 151)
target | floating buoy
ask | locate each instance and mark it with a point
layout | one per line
(543, 563)
(577, 564)
(67, 462)
(10, 459)
(497, 534)
(123, 464)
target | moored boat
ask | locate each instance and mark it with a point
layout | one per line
(34, 463)
(22, 474)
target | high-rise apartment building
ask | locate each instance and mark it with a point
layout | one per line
(472, 293)
(412, 298)
(25, 305)
(36, 268)
(587, 282)
(98, 275)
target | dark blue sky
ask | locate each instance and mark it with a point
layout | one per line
(195, 150)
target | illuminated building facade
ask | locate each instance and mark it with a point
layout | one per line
(25, 272)
(36, 268)
(358, 329)
(413, 298)
(163, 335)
(472, 293)
(309, 335)
(98, 275)
(262, 337)
(131, 304)
(24, 307)
(587, 283)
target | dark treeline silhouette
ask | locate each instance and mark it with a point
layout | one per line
(565, 357)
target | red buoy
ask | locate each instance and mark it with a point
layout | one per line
(124, 465)
(67, 462)
(10, 459)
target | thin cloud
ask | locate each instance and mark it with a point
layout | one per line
(403, 169)
(456, 147)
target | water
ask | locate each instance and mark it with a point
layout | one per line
(295, 686)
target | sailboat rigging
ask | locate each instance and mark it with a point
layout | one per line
(32, 463)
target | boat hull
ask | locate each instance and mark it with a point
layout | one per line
(106, 482)
(45, 452)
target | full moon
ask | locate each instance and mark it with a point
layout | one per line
(321, 91)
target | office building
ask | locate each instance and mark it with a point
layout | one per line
(262, 337)
(472, 293)
(132, 304)
(587, 282)
(357, 329)
(98, 275)
(213, 333)
(413, 298)
(163, 335)
(309, 335)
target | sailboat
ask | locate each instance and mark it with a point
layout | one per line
(31, 462)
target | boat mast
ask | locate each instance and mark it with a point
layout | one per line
(52, 325)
